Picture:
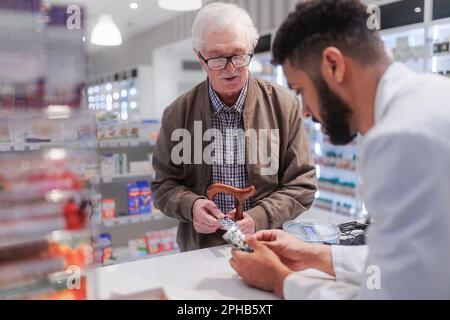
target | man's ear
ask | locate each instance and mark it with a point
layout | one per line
(333, 66)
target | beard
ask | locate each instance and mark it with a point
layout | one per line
(335, 114)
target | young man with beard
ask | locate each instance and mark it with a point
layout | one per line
(349, 85)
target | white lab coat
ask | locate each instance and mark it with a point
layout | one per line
(405, 169)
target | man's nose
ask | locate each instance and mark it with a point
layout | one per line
(230, 67)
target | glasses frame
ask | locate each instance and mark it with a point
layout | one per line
(229, 60)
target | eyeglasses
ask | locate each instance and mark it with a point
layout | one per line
(219, 63)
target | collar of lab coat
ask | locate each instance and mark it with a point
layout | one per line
(391, 85)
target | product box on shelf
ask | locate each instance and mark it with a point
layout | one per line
(137, 248)
(108, 164)
(108, 208)
(140, 166)
(145, 197)
(153, 243)
(142, 130)
(103, 252)
(163, 241)
(149, 130)
(113, 164)
(139, 197)
(133, 198)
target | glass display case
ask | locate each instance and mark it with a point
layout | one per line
(48, 159)
(48, 172)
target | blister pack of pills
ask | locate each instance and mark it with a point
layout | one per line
(236, 237)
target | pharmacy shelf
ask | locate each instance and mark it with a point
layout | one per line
(327, 192)
(125, 177)
(126, 258)
(131, 219)
(124, 143)
(8, 147)
(44, 284)
(51, 283)
(340, 169)
(56, 236)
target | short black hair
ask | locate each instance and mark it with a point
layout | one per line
(317, 24)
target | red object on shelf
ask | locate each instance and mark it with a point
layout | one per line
(75, 217)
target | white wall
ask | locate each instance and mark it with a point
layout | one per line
(146, 93)
(169, 80)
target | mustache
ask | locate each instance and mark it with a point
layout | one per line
(227, 76)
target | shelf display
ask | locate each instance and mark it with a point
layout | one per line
(48, 160)
(408, 46)
(439, 63)
(123, 95)
(118, 220)
(152, 244)
(336, 165)
(55, 128)
(114, 99)
(336, 169)
(128, 133)
(126, 154)
(46, 204)
(423, 49)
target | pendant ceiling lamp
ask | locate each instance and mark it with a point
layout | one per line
(180, 5)
(106, 32)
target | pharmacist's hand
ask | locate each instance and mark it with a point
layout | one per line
(296, 254)
(255, 266)
(205, 215)
(246, 225)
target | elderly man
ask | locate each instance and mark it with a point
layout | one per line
(350, 85)
(219, 110)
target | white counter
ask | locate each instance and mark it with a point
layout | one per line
(207, 271)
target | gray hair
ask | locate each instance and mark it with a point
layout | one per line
(218, 16)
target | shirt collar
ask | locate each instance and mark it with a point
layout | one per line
(219, 106)
(396, 77)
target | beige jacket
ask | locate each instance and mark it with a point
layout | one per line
(279, 197)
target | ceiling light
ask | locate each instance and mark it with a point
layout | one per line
(106, 32)
(133, 5)
(180, 5)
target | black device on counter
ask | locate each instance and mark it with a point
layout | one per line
(354, 233)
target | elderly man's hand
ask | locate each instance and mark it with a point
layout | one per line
(205, 215)
(296, 254)
(261, 268)
(246, 225)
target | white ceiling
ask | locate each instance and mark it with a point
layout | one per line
(129, 21)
